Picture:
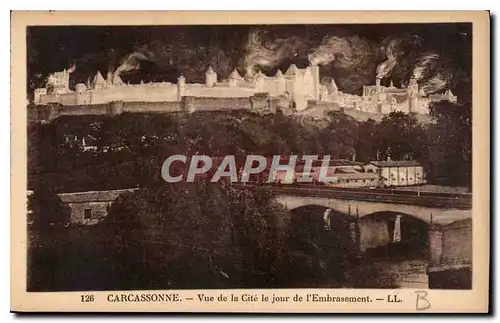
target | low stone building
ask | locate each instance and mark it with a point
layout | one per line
(90, 207)
(398, 172)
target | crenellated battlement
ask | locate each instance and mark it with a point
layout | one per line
(298, 84)
(295, 88)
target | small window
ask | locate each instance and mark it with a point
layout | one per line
(87, 214)
(347, 181)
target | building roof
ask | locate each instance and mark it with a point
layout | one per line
(235, 75)
(92, 196)
(98, 79)
(333, 162)
(396, 163)
(449, 93)
(333, 85)
(58, 79)
(292, 70)
(446, 94)
(357, 175)
(59, 75)
(399, 97)
(210, 70)
(117, 80)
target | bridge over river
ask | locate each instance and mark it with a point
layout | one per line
(374, 219)
(427, 234)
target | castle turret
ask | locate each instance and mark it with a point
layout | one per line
(80, 88)
(110, 78)
(377, 85)
(234, 78)
(117, 80)
(99, 82)
(292, 70)
(259, 81)
(291, 74)
(59, 82)
(393, 103)
(315, 76)
(413, 85)
(280, 78)
(412, 95)
(333, 90)
(451, 97)
(181, 87)
(66, 78)
(39, 94)
(323, 93)
(210, 77)
(81, 96)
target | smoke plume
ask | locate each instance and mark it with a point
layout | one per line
(177, 58)
(263, 52)
(386, 66)
(133, 61)
(330, 49)
(433, 72)
(348, 51)
(424, 64)
(397, 47)
(436, 83)
(352, 61)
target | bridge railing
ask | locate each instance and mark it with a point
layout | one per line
(459, 201)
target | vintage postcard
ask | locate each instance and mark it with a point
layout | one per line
(258, 162)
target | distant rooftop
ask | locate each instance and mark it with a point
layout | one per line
(356, 175)
(396, 163)
(333, 162)
(92, 196)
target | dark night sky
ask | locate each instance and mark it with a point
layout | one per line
(164, 52)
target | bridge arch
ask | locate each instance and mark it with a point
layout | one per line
(320, 234)
(358, 208)
(363, 232)
(318, 220)
(323, 210)
(405, 234)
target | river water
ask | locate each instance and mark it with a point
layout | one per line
(397, 273)
(378, 274)
(387, 267)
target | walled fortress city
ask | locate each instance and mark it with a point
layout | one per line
(297, 91)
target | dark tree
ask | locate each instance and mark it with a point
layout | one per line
(46, 210)
(450, 143)
(198, 234)
(401, 137)
(366, 149)
(340, 135)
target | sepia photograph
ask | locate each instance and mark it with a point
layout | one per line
(315, 157)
